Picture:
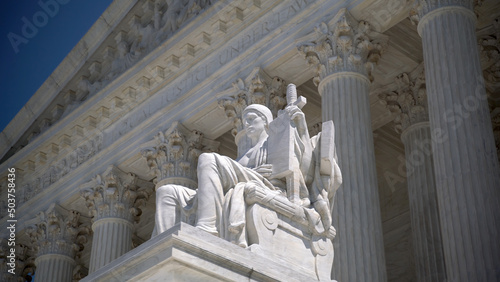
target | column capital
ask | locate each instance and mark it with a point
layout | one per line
(173, 157)
(435, 7)
(426, 6)
(408, 102)
(257, 88)
(58, 231)
(116, 194)
(343, 45)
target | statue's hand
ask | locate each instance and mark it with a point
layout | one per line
(264, 170)
(298, 117)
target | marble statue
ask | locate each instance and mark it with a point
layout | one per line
(275, 199)
(280, 159)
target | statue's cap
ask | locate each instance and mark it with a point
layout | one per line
(260, 109)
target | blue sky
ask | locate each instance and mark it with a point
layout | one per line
(56, 27)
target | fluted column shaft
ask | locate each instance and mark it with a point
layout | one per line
(112, 238)
(466, 167)
(54, 267)
(424, 212)
(359, 249)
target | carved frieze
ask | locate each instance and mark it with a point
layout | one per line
(58, 231)
(343, 45)
(256, 88)
(60, 168)
(116, 194)
(409, 102)
(174, 156)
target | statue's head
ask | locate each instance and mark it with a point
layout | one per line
(261, 110)
(256, 118)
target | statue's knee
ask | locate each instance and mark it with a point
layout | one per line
(165, 191)
(206, 159)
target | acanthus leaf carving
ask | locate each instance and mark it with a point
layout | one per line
(409, 102)
(174, 157)
(343, 45)
(116, 194)
(58, 231)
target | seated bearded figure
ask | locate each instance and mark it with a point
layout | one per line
(218, 205)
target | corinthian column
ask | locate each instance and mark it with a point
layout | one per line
(343, 53)
(465, 162)
(409, 103)
(113, 200)
(57, 235)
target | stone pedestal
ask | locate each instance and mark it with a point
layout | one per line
(427, 242)
(186, 253)
(340, 54)
(466, 165)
